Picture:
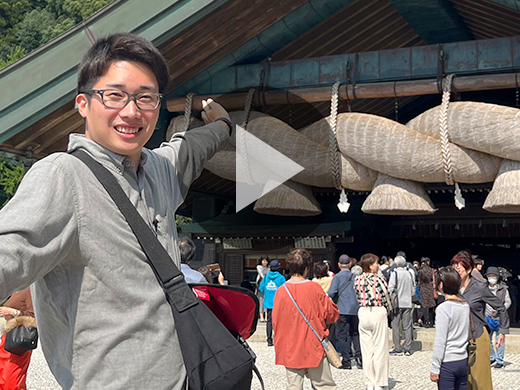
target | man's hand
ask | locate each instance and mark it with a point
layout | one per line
(212, 111)
(500, 340)
(434, 377)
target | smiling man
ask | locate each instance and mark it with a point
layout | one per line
(103, 318)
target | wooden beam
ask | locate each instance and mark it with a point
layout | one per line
(233, 101)
(406, 63)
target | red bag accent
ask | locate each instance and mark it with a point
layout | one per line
(235, 307)
(13, 369)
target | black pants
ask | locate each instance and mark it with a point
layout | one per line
(427, 313)
(347, 332)
(269, 326)
(453, 375)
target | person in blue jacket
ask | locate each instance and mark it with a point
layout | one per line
(270, 283)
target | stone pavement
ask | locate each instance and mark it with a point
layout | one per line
(406, 372)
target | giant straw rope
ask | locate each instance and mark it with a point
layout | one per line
(456, 142)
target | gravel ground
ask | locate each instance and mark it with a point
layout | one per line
(406, 372)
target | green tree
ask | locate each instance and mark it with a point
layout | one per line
(26, 25)
(15, 54)
(12, 12)
(78, 10)
(31, 30)
(10, 177)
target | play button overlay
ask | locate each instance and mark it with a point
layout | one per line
(259, 168)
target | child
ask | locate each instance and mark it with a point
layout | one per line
(452, 330)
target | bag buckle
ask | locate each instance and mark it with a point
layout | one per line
(179, 293)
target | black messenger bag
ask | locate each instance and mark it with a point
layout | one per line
(214, 359)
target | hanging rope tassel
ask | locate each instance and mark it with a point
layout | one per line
(335, 164)
(343, 204)
(459, 200)
(460, 203)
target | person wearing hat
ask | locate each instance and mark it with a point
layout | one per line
(270, 283)
(342, 291)
(499, 289)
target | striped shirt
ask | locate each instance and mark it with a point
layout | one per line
(371, 290)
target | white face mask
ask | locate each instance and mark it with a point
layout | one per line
(492, 280)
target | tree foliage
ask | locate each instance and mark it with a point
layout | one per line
(10, 177)
(26, 25)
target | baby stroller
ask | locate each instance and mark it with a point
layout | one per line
(236, 308)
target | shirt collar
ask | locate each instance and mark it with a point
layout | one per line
(109, 159)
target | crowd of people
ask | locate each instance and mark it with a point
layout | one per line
(354, 308)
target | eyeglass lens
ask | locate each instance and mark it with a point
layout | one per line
(119, 99)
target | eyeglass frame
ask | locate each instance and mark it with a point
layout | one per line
(91, 92)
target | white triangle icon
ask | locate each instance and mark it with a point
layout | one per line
(259, 168)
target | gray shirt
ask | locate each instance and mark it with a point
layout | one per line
(478, 295)
(402, 281)
(103, 318)
(452, 332)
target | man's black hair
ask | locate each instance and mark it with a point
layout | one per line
(120, 47)
(187, 248)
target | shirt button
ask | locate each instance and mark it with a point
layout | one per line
(128, 163)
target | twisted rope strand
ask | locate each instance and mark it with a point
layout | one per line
(247, 107)
(445, 143)
(333, 141)
(242, 136)
(443, 125)
(187, 111)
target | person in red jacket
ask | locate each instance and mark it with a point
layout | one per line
(296, 346)
(13, 368)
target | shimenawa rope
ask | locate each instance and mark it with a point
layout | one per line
(335, 161)
(445, 142)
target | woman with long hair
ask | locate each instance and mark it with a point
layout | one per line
(374, 302)
(427, 291)
(477, 294)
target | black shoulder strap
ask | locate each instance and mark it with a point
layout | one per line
(170, 277)
(345, 284)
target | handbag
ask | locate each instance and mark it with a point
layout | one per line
(21, 335)
(330, 351)
(213, 357)
(472, 343)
